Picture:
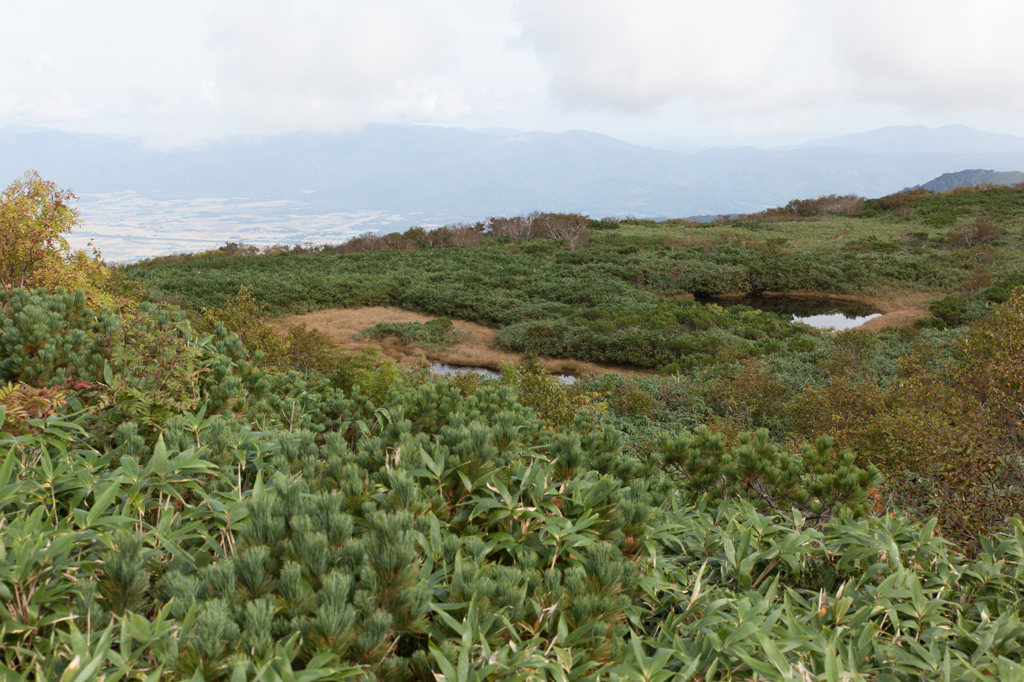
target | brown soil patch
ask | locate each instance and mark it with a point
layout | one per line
(341, 323)
(898, 318)
(898, 310)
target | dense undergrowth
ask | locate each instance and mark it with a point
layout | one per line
(186, 495)
(268, 525)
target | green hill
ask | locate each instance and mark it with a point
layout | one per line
(969, 178)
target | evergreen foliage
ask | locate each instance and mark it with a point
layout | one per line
(445, 535)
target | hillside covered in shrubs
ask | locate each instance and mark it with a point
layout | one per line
(187, 495)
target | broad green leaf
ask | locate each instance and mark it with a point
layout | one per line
(160, 457)
(103, 502)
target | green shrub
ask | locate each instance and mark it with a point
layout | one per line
(311, 350)
(950, 310)
(930, 323)
(1000, 291)
(437, 334)
(52, 339)
(556, 403)
(818, 481)
(245, 317)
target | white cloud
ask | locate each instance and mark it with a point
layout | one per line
(945, 55)
(437, 99)
(209, 93)
(8, 102)
(42, 63)
(645, 53)
(714, 70)
(173, 120)
(320, 65)
(57, 105)
(54, 105)
(763, 56)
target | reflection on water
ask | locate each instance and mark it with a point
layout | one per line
(837, 321)
(821, 312)
(450, 370)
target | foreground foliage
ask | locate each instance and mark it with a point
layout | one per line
(280, 528)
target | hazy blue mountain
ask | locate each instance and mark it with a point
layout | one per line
(500, 132)
(433, 174)
(677, 144)
(950, 139)
(969, 178)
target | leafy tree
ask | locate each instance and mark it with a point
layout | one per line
(244, 316)
(35, 219)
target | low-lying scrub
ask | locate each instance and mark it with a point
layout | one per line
(798, 209)
(437, 334)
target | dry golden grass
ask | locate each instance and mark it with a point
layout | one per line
(478, 351)
(898, 311)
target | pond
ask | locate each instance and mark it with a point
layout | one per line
(821, 312)
(451, 370)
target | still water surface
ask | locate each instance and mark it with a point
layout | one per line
(451, 370)
(821, 312)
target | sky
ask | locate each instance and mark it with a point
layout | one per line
(728, 72)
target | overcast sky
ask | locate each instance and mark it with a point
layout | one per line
(752, 72)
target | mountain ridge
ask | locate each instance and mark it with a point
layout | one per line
(455, 174)
(969, 178)
(953, 138)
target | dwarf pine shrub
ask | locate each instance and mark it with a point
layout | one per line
(285, 528)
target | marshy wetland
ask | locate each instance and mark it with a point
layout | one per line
(820, 312)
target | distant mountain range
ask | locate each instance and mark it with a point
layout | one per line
(950, 139)
(430, 174)
(969, 178)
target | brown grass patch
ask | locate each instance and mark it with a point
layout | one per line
(898, 309)
(339, 324)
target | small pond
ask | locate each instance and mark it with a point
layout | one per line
(820, 312)
(451, 370)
